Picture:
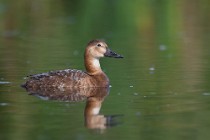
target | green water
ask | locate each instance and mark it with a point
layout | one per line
(161, 87)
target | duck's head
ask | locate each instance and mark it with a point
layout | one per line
(98, 49)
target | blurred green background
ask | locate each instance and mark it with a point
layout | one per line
(161, 86)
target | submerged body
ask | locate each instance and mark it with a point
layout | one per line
(92, 77)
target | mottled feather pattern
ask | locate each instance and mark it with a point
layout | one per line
(59, 78)
(73, 73)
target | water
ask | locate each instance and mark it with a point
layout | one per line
(160, 90)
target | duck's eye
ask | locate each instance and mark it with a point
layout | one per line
(99, 45)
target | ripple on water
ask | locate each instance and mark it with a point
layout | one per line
(206, 94)
(4, 104)
(4, 82)
(135, 94)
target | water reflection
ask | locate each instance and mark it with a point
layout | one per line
(94, 98)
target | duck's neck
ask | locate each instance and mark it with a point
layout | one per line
(92, 65)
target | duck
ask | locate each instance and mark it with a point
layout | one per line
(93, 76)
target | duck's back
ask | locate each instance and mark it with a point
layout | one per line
(60, 79)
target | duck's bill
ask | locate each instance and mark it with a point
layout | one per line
(110, 53)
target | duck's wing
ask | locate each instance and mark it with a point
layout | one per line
(59, 78)
(71, 73)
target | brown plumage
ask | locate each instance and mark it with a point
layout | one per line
(92, 77)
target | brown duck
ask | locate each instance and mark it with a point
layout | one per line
(92, 77)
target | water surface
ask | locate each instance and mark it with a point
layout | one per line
(161, 88)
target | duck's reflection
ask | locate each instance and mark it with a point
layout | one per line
(94, 98)
(94, 120)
